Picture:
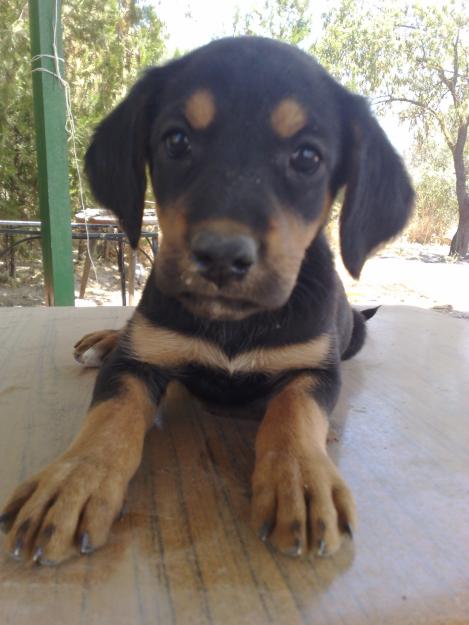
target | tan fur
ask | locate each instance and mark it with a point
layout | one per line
(200, 109)
(125, 414)
(172, 247)
(299, 498)
(173, 225)
(225, 226)
(288, 118)
(294, 417)
(290, 236)
(326, 210)
(163, 347)
(87, 483)
(286, 241)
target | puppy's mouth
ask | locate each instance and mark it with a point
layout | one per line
(262, 291)
(218, 307)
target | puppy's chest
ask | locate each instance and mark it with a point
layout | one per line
(205, 368)
(175, 351)
(219, 388)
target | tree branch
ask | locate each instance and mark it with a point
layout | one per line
(455, 62)
(439, 68)
(450, 83)
(425, 107)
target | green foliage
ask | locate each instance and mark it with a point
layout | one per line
(409, 56)
(17, 147)
(105, 49)
(106, 44)
(412, 58)
(435, 208)
(403, 54)
(286, 20)
(436, 204)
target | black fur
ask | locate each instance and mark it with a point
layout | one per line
(109, 381)
(369, 312)
(358, 336)
(239, 169)
(378, 194)
(308, 313)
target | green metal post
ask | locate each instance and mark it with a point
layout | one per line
(51, 144)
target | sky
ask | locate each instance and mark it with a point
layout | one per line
(191, 23)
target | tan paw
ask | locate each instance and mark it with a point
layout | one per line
(66, 509)
(301, 503)
(92, 349)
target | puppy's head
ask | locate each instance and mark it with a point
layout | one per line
(247, 141)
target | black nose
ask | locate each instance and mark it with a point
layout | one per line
(221, 258)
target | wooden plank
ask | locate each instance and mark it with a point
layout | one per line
(51, 146)
(185, 554)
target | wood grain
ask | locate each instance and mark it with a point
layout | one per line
(185, 555)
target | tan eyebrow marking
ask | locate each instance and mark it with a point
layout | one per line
(200, 109)
(288, 117)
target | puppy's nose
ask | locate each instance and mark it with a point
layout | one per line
(222, 258)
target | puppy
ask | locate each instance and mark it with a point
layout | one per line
(247, 143)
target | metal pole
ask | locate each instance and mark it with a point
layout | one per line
(51, 145)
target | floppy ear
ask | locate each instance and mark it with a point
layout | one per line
(378, 196)
(116, 159)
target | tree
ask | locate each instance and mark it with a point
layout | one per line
(414, 59)
(105, 49)
(18, 186)
(105, 46)
(435, 200)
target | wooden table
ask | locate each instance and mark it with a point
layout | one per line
(184, 554)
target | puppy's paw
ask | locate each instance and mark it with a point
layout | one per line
(301, 503)
(92, 349)
(66, 509)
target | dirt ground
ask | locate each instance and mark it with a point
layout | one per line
(402, 273)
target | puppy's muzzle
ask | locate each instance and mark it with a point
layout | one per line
(223, 258)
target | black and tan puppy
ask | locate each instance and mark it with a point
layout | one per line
(247, 142)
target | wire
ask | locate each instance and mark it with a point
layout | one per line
(70, 127)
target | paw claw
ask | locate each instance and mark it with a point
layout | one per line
(16, 554)
(85, 546)
(296, 550)
(123, 511)
(38, 555)
(322, 548)
(348, 530)
(264, 531)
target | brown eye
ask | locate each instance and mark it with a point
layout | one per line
(305, 159)
(177, 144)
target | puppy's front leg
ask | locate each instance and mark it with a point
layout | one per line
(69, 506)
(93, 349)
(299, 498)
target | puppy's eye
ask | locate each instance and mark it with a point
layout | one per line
(177, 144)
(305, 159)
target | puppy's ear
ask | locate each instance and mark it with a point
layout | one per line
(378, 196)
(116, 159)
